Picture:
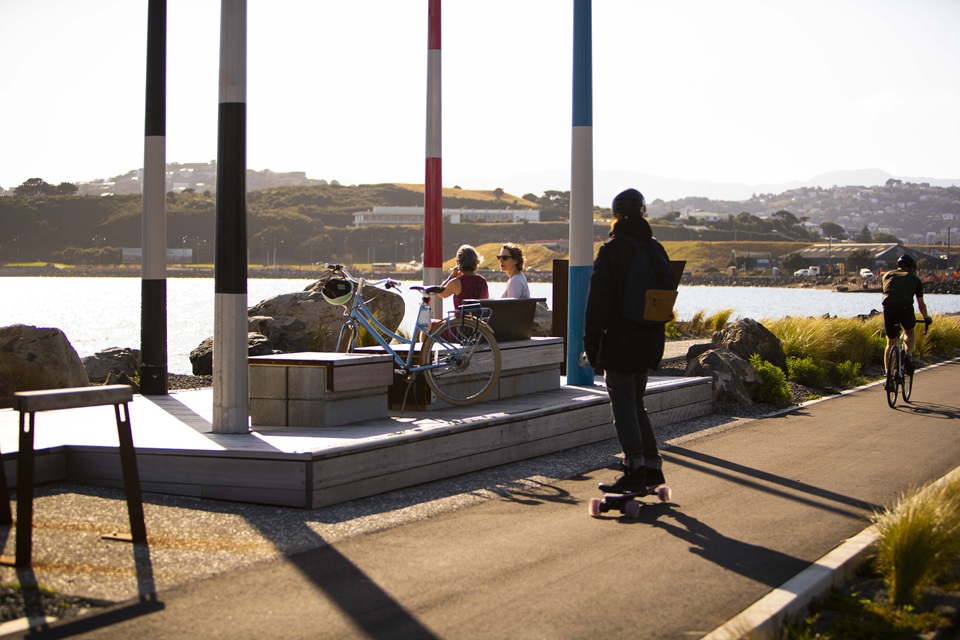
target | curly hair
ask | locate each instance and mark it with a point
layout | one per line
(516, 253)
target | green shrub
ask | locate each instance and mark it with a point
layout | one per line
(774, 389)
(848, 374)
(806, 372)
(672, 331)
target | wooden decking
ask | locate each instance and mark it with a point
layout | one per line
(177, 452)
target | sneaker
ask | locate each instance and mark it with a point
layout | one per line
(632, 480)
(654, 477)
(890, 385)
(908, 365)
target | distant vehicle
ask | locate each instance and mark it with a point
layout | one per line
(866, 273)
(802, 272)
(814, 271)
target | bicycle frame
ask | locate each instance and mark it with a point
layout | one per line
(357, 311)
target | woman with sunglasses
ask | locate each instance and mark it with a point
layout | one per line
(511, 263)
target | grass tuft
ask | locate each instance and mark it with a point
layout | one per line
(919, 540)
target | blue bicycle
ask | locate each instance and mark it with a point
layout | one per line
(459, 357)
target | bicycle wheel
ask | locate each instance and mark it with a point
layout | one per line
(893, 366)
(471, 359)
(907, 387)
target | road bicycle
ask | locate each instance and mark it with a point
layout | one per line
(899, 380)
(459, 357)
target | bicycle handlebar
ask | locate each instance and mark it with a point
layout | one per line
(387, 283)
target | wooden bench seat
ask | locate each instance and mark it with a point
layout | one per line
(318, 389)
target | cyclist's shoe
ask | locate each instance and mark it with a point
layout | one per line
(632, 480)
(891, 384)
(908, 365)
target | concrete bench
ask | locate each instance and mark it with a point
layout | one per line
(526, 366)
(29, 403)
(316, 389)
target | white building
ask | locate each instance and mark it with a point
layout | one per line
(414, 215)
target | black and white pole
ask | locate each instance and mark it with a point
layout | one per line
(230, 383)
(153, 225)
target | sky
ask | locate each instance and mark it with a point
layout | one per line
(745, 91)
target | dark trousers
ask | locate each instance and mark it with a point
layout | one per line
(630, 418)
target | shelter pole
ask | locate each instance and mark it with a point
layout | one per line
(581, 192)
(153, 223)
(230, 378)
(433, 184)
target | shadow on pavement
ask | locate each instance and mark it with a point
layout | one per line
(713, 465)
(761, 564)
(930, 409)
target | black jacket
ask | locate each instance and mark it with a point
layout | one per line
(610, 340)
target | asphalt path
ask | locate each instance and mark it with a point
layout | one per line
(752, 507)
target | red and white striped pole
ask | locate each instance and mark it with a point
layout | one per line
(433, 185)
(230, 381)
(153, 224)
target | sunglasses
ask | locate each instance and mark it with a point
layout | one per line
(503, 257)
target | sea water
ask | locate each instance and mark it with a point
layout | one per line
(97, 313)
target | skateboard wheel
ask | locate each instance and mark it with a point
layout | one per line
(594, 506)
(632, 509)
(664, 494)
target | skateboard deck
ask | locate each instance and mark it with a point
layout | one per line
(627, 503)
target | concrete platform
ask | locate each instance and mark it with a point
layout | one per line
(178, 454)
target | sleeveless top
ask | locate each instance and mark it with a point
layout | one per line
(471, 287)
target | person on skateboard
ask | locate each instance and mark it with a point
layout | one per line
(625, 350)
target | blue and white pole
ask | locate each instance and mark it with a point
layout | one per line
(230, 381)
(153, 223)
(581, 192)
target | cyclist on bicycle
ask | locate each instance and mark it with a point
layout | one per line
(900, 286)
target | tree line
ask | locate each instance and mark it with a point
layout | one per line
(286, 225)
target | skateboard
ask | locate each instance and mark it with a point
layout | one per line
(628, 503)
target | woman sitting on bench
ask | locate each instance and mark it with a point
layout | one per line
(511, 262)
(463, 283)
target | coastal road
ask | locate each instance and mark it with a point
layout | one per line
(753, 506)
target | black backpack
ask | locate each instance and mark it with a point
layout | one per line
(650, 289)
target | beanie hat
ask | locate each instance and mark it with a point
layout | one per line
(629, 204)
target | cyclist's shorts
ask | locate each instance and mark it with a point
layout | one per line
(896, 316)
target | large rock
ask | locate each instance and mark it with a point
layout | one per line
(202, 357)
(115, 359)
(734, 380)
(746, 337)
(33, 358)
(543, 321)
(304, 321)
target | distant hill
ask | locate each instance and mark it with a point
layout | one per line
(607, 184)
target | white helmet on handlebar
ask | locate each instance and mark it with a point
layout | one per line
(337, 291)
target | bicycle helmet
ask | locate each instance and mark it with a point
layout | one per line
(906, 261)
(337, 291)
